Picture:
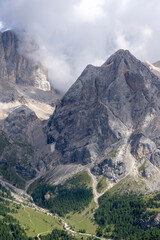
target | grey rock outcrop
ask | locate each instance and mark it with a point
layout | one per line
(23, 146)
(141, 146)
(114, 107)
(17, 68)
(110, 170)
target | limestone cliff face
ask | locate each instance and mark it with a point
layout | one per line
(25, 101)
(16, 68)
(22, 81)
(109, 119)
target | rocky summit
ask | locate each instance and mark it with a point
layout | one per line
(109, 121)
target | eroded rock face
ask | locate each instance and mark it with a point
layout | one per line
(116, 104)
(141, 146)
(110, 170)
(18, 69)
(24, 143)
(16, 124)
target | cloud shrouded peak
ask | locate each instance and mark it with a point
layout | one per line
(74, 33)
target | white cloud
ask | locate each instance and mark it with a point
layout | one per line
(90, 10)
(121, 42)
(1, 25)
(74, 33)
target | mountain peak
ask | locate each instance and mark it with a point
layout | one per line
(122, 52)
(112, 108)
(119, 55)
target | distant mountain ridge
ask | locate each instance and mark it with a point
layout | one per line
(17, 68)
(22, 81)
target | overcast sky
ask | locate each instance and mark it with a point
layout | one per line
(74, 33)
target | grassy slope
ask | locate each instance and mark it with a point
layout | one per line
(35, 222)
(83, 220)
(79, 179)
(129, 184)
(102, 185)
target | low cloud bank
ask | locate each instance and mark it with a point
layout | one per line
(74, 33)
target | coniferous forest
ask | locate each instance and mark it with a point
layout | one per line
(128, 217)
(61, 200)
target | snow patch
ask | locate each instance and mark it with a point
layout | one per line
(52, 147)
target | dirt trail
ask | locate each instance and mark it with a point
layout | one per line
(94, 186)
(97, 195)
(42, 233)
